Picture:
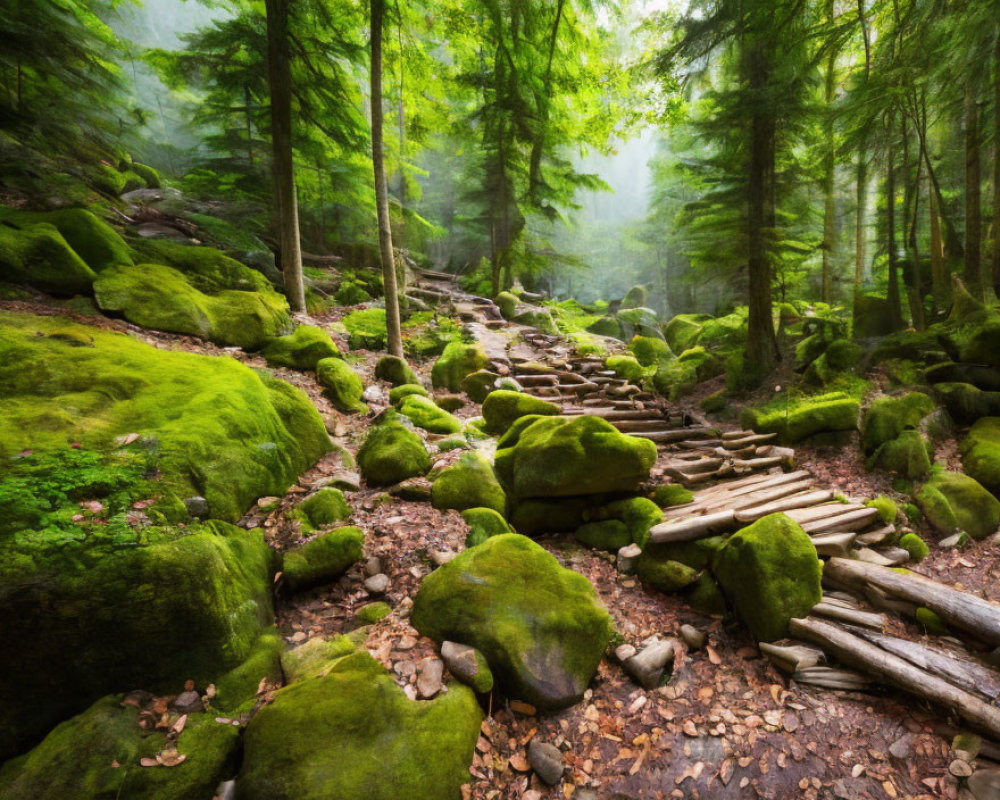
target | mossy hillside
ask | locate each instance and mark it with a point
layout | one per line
(222, 430)
(399, 393)
(540, 626)
(341, 384)
(457, 361)
(798, 419)
(888, 417)
(469, 483)
(78, 759)
(649, 351)
(952, 501)
(208, 270)
(392, 453)
(325, 507)
(983, 345)
(564, 456)
(425, 413)
(981, 453)
(908, 455)
(38, 255)
(771, 573)
(396, 371)
(168, 606)
(352, 734)
(303, 349)
(161, 298)
(502, 407)
(323, 559)
(97, 243)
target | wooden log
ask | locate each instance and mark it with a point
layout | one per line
(537, 380)
(761, 496)
(752, 483)
(832, 678)
(758, 463)
(737, 434)
(612, 413)
(694, 444)
(960, 609)
(833, 544)
(695, 528)
(850, 521)
(856, 652)
(822, 511)
(631, 425)
(855, 616)
(877, 536)
(665, 437)
(722, 452)
(695, 467)
(746, 441)
(792, 657)
(799, 500)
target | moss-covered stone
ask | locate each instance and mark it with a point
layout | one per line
(665, 575)
(311, 658)
(303, 349)
(91, 238)
(627, 367)
(983, 345)
(649, 351)
(540, 318)
(541, 627)
(350, 293)
(222, 431)
(804, 417)
(342, 384)
(714, 403)
(966, 403)
(872, 317)
(608, 534)
(325, 507)
(372, 612)
(699, 554)
(501, 408)
(932, 622)
(886, 506)
(159, 297)
(39, 255)
(323, 559)
(352, 734)
(399, 393)
(907, 456)
(392, 453)
(565, 456)
(95, 756)
(479, 384)
(457, 361)
(469, 483)
(366, 329)
(639, 515)
(484, 523)
(840, 356)
(915, 546)
(425, 413)
(635, 297)
(981, 453)
(683, 331)
(562, 515)
(449, 402)
(674, 379)
(952, 501)
(888, 417)
(606, 326)
(507, 304)
(395, 370)
(771, 573)
(671, 494)
(208, 270)
(705, 596)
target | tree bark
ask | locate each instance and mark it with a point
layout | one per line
(973, 207)
(394, 340)
(996, 170)
(939, 274)
(538, 145)
(862, 173)
(280, 82)
(829, 167)
(895, 309)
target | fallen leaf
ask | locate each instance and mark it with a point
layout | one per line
(178, 726)
(149, 762)
(519, 763)
(712, 655)
(523, 708)
(890, 789)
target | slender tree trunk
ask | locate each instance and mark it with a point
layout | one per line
(973, 206)
(940, 279)
(538, 145)
(394, 340)
(860, 232)
(280, 82)
(249, 124)
(996, 170)
(403, 199)
(916, 283)
(829, 167)
(895, 307)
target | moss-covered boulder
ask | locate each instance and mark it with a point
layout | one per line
(966, 403)
(606, 326)
(908, 455)
(352, 734)
(161, 298)
(671, 567)
(639, 322)
(477, 385)
(222, 431)
(555, 515)
(771, 573)
(469, 483)
(888, 417)
(649, 351)
(540, 318)
(839, 357)
(952, 501)
(395, 370)
(983, 345)
(502, 407)
(208, 270)
(684, 331)
(399, 393)
(915, 546)
(639, 514)
(95, 756)
(484, 523)
(799, 419)
(148, 610)
(96, 242)
(665, 575)
(457, 361)
(366, 329)
(350, 293)
(608, 534)
(671, 494)
(565, 456)
(425, 413)
(323, 558)
(341, 384)
(392, 453)
(507, 303)
(303, 349)
(872, 317)
(38, 255)
(540, 626)
(981, 453)
(325, 507)
(627, 367)
(635, 297)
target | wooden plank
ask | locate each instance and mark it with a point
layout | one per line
(695, 528)
(800, 500)
(849, 521)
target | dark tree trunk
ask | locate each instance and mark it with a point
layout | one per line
(973, 205)
(280, 82)
(860, 233)
(996, 170)
(829, 166)
(895, 308)
(394, 341)
(538, 145)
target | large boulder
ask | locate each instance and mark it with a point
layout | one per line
(208, 270)
(771, 573)
(540, 626)
(907, 456)
(303, 349)
(323, 559)
(799, 419)
(38, 255)
(395, 370)
(91, 238)
(425, 413)
(352, 734)
(966, 403)
(342, 385)
(638, 322)
(981, 453)
(392, 453)
(469, 483)
(502, 407)
(952, 501)
(566, 456)
(888, 417)
(650, 351)
(684, 331)
(457, 361)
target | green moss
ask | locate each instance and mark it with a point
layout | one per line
(699, 554)
(907, 455)
(353, 734)
(771, 573)
(809, 349)
(350, 293)
(325, 507)
(665, 575)
(541, 627)
(932, 622)
(396, 371)
(222, 430)
(372, 612)
(804, 417)
(714, 403)
(108, 180)
(303, 349)
(366, 329)
(502, 407)
(981, 453)
(540, 318)
(148, 174)
(424, 413)
(888, 417)
(236, 690)
(96, 242)
(38, 255)
(628, 368)
(483, 523)
(912, 513)
(639, 515)
(208, 270)
(399, 393)
(887, 508)
(314, 656)
(683, 331)
(671, 494)
(534, 516)
(454, 443)
(469, 483)
(674, 379)
(635, 297)
(915, 546)
(450, 402)
(705, 596)
(564, 456)
(983, 345)
(606, 326)
(342, 384)
(457, 361)
(479, 384)
(507, 304)
(323, 559)
(609, 534)
(392, 453)
(966, 403)
(649, 351)
(840, 356)
(952, 501)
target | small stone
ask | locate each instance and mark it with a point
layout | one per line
(373, 394)
(346, 481)
(298, 636)
(985, 784)
(417, 490)
(377, 584)
(628, 558)
(546, 761)
(902, 748)
(442, 557)
(197, 507)
(429, 674)
(187, 701)
(373, 566)
(647, 667)
(624, 652)
(693, 638)
(960, 768)
(467, 665)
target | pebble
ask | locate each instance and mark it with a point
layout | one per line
(442, 557)
(197, 507)
(951, 542)
(547, 761)
(429, 674)
(960, 768)
(902, 748)
(693, 638)
(628, 558)
(377, 584)
(460, 660)
(647, 666)
(373, 394)
(187, 701)
(373, 566)
(624, 652)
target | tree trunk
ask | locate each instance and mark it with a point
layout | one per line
(538, 145)
(280, 82)
(939, 274)
(996, 170)
(394, 340)
(973, 207)
(249, 125)
(862, 175)
(895, 310)
(915, 290)
(829, 167)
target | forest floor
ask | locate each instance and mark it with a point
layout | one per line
(727, 725)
